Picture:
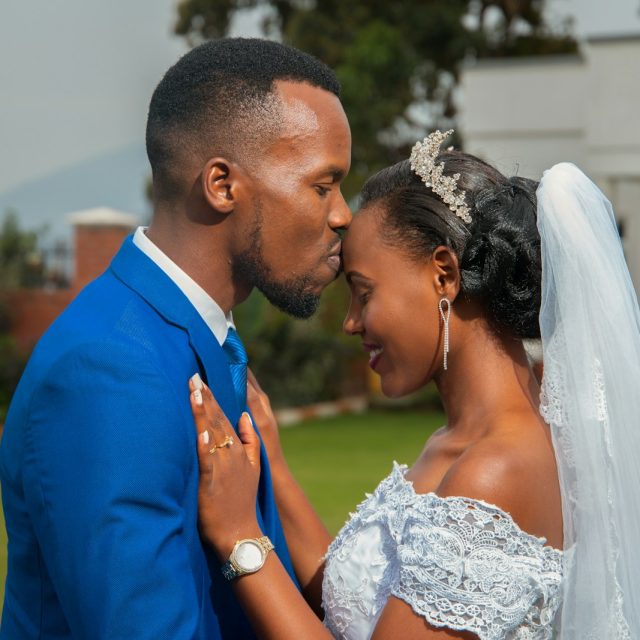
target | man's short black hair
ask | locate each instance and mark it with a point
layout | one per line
(219, 98)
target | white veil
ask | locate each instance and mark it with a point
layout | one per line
(590, 327)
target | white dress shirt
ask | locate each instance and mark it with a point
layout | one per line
(204, 304)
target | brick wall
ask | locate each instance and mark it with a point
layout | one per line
(33, 310)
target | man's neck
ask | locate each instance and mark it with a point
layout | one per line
(201, 252)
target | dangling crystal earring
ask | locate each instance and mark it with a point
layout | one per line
(445, 318)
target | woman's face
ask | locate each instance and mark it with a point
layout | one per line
(394, 307)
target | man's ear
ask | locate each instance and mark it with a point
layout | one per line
(446, 272)
(219, 184)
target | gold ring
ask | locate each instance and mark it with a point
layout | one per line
(227, 442)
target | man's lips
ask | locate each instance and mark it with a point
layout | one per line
(335, 258)
(335, 262)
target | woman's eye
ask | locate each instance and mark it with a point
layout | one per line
(363, 298)
(322, 191)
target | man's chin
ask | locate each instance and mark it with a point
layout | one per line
(300, 311)
(301, 305)
(301, 314)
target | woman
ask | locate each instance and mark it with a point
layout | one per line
(503, 519)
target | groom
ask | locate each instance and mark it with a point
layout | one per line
(248, 144)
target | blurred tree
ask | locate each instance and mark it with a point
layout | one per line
(21, 262)
(12, 364)
(398, 62)
(21, 266)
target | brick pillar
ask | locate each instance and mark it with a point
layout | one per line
(94, 249)
(98, 236)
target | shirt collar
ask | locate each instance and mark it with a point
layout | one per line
(203, 303)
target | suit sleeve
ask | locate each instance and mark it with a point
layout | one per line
(110, 448)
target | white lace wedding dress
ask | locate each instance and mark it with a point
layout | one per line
(460, 563)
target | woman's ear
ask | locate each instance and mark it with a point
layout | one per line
(446, 272)
(219, 184)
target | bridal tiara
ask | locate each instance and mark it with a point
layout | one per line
(423, 162)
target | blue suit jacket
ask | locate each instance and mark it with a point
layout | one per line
(100, 475)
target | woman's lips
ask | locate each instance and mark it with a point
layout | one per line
(375, 352)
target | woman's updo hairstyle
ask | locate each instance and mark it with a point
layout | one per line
(498, 252)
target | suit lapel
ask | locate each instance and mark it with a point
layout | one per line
(137, 271)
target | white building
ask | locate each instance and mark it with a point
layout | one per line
(524, 115)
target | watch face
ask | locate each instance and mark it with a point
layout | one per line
(248, 555)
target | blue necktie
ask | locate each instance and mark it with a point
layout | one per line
(237, 357)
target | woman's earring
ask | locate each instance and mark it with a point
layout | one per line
(444, 302)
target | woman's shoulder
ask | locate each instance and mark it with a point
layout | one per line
(489, 468)
(516, 474)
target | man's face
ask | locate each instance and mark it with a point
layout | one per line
(292, 248)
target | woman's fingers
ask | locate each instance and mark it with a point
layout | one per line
(197, 407)
(220, 425)
(253, 395)
(216, 421)
(250, 440)
(229, 471)
(202, 434)
(251, 379)
(214, 428)
(261, 410)
(257, 399)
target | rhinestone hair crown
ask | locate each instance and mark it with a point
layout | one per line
(423, 162)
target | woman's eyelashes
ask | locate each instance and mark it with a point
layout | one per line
(321, 190)
(360, 294)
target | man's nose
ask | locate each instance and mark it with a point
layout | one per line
(340, 216)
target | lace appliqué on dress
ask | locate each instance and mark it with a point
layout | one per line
(459, 563)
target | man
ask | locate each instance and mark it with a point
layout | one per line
(248, 144)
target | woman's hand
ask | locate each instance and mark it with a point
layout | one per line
(261, 411)
(229, 472)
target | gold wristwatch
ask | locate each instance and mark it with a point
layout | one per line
(248, 556)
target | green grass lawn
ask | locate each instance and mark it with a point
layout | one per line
(337, 460)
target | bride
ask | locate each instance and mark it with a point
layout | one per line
(519, 517)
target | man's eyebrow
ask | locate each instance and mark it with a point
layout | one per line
(335, 173)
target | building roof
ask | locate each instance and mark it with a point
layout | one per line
(618, 37)
(102, 217)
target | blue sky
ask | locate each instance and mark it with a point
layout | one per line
(75, 81)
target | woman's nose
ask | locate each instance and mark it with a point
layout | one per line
(350, 325)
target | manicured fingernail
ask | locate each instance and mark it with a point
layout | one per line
(204, 436)
(197, 381)
(197, 396)
(246, 413)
